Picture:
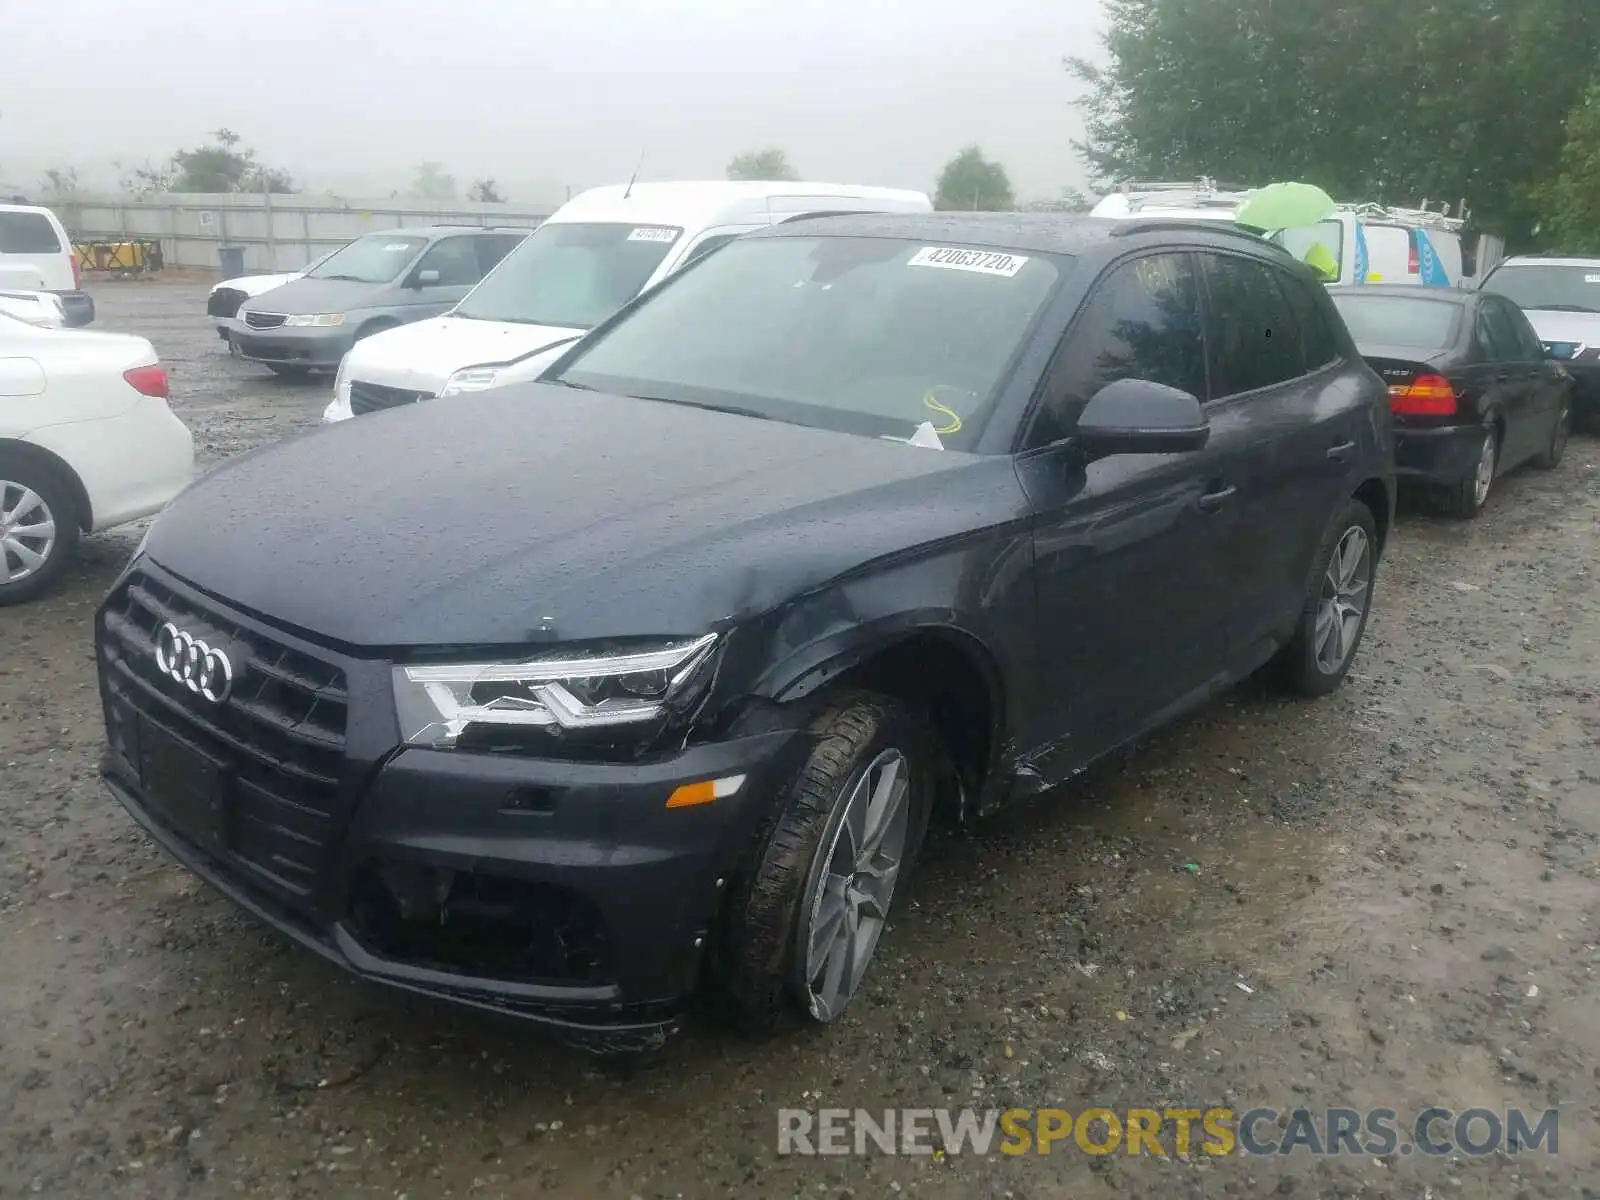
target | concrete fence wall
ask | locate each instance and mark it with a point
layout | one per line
(278, 233)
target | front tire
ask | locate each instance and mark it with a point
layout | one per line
(1334, 618)
(818, 883)
(38, 529)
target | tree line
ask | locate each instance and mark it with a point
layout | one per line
(1494, 102)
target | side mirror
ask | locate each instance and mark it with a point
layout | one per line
(425, 278)
(1136, 416)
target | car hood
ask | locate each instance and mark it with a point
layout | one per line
(1554, 326)
(423, 355)
(578, 516)
(314, 296)
(254, 285)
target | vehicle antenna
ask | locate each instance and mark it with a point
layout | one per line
(632, 179)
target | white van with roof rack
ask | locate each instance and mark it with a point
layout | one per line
(593, 255)
(1199, 200)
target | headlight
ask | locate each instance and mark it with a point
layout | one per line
(470, 379)
(632, 693)
(320, 320)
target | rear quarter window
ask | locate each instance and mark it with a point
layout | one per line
(27, 233)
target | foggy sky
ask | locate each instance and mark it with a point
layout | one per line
(353, 93)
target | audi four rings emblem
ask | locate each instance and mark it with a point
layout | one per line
(185, 659)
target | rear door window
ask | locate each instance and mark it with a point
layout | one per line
(1142, 321)
(1498, 335)
(1317, 342)
(1529, 347)
(27, 233)
(1254, 338)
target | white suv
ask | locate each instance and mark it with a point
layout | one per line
(36, 256)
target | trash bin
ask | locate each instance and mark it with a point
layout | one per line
(232, 260)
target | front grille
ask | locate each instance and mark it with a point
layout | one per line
(225, 302)
(280, 735)
(264, 320)
(370, 397)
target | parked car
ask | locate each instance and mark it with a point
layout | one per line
(595, 253)
(656, 669)
(375, 283)
(87, 442)
(36, 308)
(1561, 296)
(222, 304)
(1471, 390)
(36, 255)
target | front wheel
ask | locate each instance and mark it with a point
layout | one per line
(1318, 657)
(816, 889)
(38, 530)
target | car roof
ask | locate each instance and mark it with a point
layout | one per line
(433, 231)
(26, 208)
(1548, 260)
(700, 202)
(1407, 291)
(1040, 233)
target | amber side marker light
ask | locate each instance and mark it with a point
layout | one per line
(704, 791)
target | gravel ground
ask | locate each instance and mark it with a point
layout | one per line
(1403, 876)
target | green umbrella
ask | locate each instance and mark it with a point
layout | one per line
(1285, 206)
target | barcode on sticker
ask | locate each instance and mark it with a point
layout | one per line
(653, 233)
(985, 262)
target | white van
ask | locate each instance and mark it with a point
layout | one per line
(36, 256)
(597, 252)
(1374, 244)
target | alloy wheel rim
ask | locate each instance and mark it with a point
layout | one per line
(1345, 588)
(849, 904)
(27, 532)
(1483, 477)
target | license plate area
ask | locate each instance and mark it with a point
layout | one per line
(184, 785)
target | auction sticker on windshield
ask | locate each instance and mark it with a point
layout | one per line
(647, 233)
(985, 262)
(1591, 278)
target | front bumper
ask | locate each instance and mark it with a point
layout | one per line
(300, 346)
(563, 893)
(1444, 454)
(77, 308)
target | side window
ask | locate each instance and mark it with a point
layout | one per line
(455, 260)
(1310, 313)
(1498, 335)
(1530, 348)
(1142, 321)
(705, 246)
(492, 247)
(1254, 342)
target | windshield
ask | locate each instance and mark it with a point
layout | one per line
(1379, 320)
(876, 336)
(376, 258)
(1565, 288)
(570, 274)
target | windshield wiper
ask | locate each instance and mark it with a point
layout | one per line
(1562, 308)
(346, 278)
(567, 383)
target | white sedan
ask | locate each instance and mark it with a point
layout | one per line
(86, 442)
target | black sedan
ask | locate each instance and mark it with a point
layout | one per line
(1472, 392)
(651, 674)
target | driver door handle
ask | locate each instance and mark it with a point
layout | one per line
(1214, 499)
(1341, 452)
